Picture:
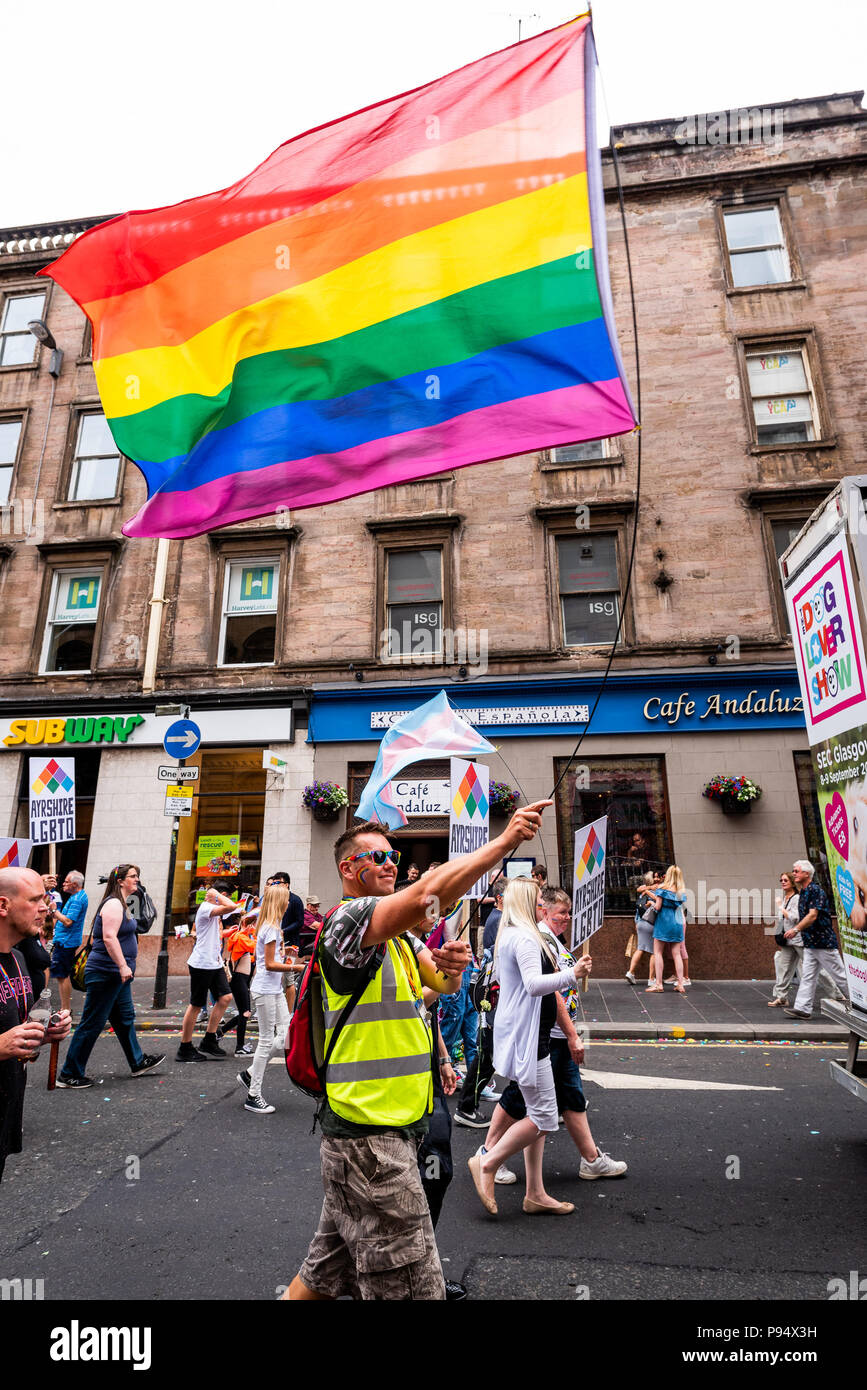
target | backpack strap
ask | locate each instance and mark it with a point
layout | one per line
(368, 974)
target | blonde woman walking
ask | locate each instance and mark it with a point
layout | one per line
(670, 926)
(526, 1012)
(272, 1011)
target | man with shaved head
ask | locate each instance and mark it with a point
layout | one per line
(22, 912)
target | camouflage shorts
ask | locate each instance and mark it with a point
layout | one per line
(375, 1239)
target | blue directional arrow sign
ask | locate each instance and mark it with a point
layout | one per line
(182, 738)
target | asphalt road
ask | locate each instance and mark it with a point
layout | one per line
(166, 1188)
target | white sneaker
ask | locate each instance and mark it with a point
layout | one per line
(504, 1176)
(631, 978)
(672, 980)
(602, 1167)
(686, 983)
(490, 1094)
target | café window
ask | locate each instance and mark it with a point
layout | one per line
(95, 466)
(589, 589)
(782, 395)
(756, 246)
(221, 841)
(10, 438)
(248, 629)
(70, 632)
(633, 794)
(414, 602)
(811, 818)
(17, 344)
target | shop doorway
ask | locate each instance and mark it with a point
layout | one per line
(419, 849)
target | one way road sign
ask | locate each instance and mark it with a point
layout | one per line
(182, 738)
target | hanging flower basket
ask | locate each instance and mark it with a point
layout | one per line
(734, 794)
(325, 799)
(503, 799)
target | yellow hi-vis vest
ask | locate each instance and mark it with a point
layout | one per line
(380, 1069)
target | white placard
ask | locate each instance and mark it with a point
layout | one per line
(51, 796)
(14, 853)
(469, 814)
(179, 801)
(588, 881)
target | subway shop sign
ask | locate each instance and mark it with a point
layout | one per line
(106, 728)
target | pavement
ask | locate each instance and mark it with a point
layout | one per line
(711, 1011)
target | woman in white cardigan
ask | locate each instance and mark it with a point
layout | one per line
(529, 981)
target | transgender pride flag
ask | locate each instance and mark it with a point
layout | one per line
(434, 730)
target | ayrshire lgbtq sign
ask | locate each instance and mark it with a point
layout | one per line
(828, 644)
(51, 793)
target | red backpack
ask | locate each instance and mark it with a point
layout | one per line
(306, 1058)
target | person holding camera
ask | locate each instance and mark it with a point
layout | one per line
(22, 912)
(108, 984)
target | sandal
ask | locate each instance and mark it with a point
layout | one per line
(654, 989)
(776, 1003)
(679, 989)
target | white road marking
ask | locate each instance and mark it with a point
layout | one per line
(631, 1081)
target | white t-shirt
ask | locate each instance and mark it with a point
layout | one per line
(206, 955)
(268, 981)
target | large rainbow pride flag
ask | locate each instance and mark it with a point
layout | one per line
(413, 288)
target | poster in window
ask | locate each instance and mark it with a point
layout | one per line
(218, 856)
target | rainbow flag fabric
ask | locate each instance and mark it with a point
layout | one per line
(416, 287)
(434, 730)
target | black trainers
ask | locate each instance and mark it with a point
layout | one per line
(245, 1078)
(260, 1106)
(209, 1047)
(471, 1119)
(187, 1053)
(455, 1292)
(74, 1083)
(146, 1064)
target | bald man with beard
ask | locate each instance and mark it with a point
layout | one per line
(22, 912)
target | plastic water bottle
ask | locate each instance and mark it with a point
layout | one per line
(40, 1010)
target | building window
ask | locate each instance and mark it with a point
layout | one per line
(589, 451)
(73, 610)
(783, 400)
(248, 632)
(95, 462)
(632, 793)
(17, 344)
(222, 839)
(756, 247)
(783, 532)
(589, 589)
(414, 602)
(10, 438)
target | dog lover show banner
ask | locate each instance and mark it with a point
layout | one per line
(829, 649)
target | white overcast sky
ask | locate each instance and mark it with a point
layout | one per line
(109, 105)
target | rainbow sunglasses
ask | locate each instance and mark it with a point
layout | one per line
(379, 856)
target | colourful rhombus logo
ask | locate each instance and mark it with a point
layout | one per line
(52, 778)
(590, 856)
(470, 794)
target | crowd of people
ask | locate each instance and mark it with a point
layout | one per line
(432, 1019)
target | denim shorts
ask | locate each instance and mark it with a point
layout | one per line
(62, 961)
(567, 1085)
